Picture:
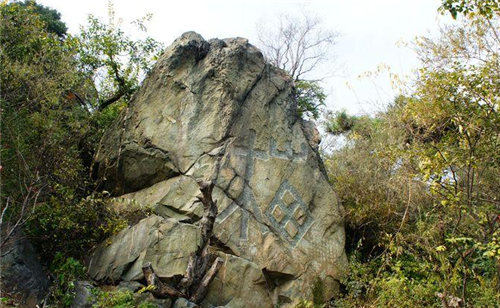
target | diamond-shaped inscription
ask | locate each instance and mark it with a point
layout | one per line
(278, 214)
(289, 214)
(300, 216)
(291, 229)
(288, 198)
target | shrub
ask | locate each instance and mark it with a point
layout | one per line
(122, 299)
(420, 186)
(64, 225)
(66, 271)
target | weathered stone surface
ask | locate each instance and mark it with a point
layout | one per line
(84, 297)
(184, 303)
(217, 111)
(239, 283)
(140, 165)
(173, 198)
(166, 243)
(132, 286)
(20, 271)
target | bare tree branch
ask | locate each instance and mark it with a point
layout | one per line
(298, 45)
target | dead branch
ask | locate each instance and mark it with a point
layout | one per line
(27, 209)
(202, 289)
(161, 290)
(297, 45)
(198, 276)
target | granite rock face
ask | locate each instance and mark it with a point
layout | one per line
(215, 110)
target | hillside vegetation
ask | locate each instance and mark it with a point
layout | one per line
(419, 181)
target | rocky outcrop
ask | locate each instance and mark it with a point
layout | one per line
(240, 283)
(215, 110)
(184, 303)
(84, 295)
(166, 243)
(20, 272)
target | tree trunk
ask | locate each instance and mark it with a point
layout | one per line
(197, 278)
(161, 290)
(202, 289)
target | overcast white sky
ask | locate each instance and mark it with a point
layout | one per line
(370, 32)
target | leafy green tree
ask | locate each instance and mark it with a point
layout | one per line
(372, 177)
(486, 8)
(419, 181)
(38, 70)
(310, 98)
(114, 61)
(51, 126)
(453, 124)
(50, 17)
(48, 138)
(339, 123)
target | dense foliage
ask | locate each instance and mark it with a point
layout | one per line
(124, 299)
(112, 60)
(310, 98)
(51, 126)
(487, 8)
(420, 181)
(51, 18)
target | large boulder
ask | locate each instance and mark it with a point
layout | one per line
(215, 110)
(84, 295)
(240, 283)
(166, 243)
(21, 274)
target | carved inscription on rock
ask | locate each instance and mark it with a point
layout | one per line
(287, 213)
